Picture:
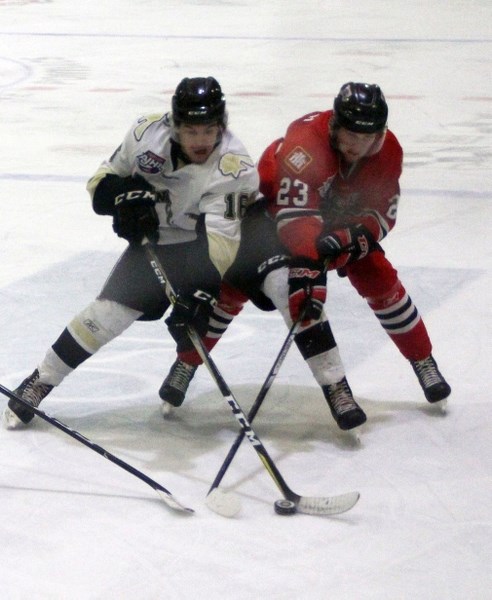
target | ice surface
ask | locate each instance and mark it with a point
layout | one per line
(73, 76)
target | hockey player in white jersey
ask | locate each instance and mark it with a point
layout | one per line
(180, 180)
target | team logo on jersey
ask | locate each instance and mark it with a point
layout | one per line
(344, 204)
(234, 164)
(298, 159)
(325, 187)
(150, 162)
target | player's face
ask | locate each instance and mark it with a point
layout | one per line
(198, 141)
(354, 146)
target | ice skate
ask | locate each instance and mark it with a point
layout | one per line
(174, 388)
(435, 387)
(345, 410)
(33, 391)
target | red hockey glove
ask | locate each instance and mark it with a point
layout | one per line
(307, 288)
(344, 246)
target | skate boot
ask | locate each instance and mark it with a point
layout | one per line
(432, 382)
(31, 390)
(345, 410)
(175, 386)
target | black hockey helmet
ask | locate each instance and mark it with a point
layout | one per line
(360, 107)
(198, 100)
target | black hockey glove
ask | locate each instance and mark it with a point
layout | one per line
(307, 288)
(130, 200)
(344, 246)
(190, 310)
(135, 216)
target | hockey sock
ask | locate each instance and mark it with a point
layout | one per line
(230, 303)
(320, 351)
(401, 320)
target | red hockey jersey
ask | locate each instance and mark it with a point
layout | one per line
(309, 188)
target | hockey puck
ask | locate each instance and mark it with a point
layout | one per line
(285, 507)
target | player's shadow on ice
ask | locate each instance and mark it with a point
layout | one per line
(292, 420)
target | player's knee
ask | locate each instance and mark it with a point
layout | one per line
(385, 298)
(231, 301)
(100, 322)
(374, 277)
(276, 287)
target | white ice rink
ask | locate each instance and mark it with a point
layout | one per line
(73, 526)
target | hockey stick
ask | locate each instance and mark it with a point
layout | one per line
(328, 505)
(164, 494)
(265, 388)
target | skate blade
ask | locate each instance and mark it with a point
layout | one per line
(353, 437)
(167, 410)
(11, 420)
(442, 405)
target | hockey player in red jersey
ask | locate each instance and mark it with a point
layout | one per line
(337, 201)
(332, 187)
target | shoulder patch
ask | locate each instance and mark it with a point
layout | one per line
(144, 123)
(150, 162)
(235, 164)
(298, 159)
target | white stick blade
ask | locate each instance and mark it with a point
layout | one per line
(171, 501)
(225, 504)
(330, 505)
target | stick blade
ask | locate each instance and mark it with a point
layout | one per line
(225, 504)
(171, 501)
(329, 505)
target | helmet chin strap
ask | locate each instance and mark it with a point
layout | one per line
(378, 143)
(374, 149)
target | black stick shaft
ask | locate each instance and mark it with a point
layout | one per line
(83, 440)
(221, 384)
(258, 401)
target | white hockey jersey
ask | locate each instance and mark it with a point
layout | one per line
(220, 188)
